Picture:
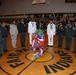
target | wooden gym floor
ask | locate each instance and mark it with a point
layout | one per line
(55, 61)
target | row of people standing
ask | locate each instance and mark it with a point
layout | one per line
(21, 28)
(69, 31)
(14, 29)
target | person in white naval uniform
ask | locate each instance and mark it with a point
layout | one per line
(13, 33)
(51, 30)
(31, 29)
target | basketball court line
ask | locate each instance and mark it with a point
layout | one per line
(33, 61)
(4, 71)
(74, 73)
(29, 64)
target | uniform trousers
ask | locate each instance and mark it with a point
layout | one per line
(0, 47)
(14, 40)
(68, 41)
(4, 43)
(22, 38)
(60, 40)
(50, 39)
(74, 44)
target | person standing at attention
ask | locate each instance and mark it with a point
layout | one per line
(0, 43)
(31, 29)
(60, 33)
(22, 30)
(74, 35)
(51, 30)
(13, 33)
(68, 34)
(4, 36)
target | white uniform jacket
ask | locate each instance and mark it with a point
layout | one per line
(31, 27)
(50, 30)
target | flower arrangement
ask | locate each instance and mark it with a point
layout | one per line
(38, 43)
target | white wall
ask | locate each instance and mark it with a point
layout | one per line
(25, 6)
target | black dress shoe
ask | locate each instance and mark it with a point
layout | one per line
(73, 52)
(22, 45)
(68, 49)
(1, 55)
(65, 48)
(59, 46)
(5, 51)
(50, 45)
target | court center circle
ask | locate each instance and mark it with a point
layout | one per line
(44, 58)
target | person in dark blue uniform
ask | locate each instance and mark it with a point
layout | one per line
(22, 30)
(74, 34)
(4, 36)
(68, 34)
(60, 33)
(0, 42)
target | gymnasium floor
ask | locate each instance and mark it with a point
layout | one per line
(54, 61)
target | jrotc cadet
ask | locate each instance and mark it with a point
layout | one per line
(0, 43)
(4, 36)
(13, 33)
(22, 30)
(51, 30)
(74, 34)
(60, 33)
(68, 34)
(31, 29)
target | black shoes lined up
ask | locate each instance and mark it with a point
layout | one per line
(74, 52)
(4, 52)
(59, 46)
(64, 48)
(1, 55)
(22, 45)
(67, 48)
